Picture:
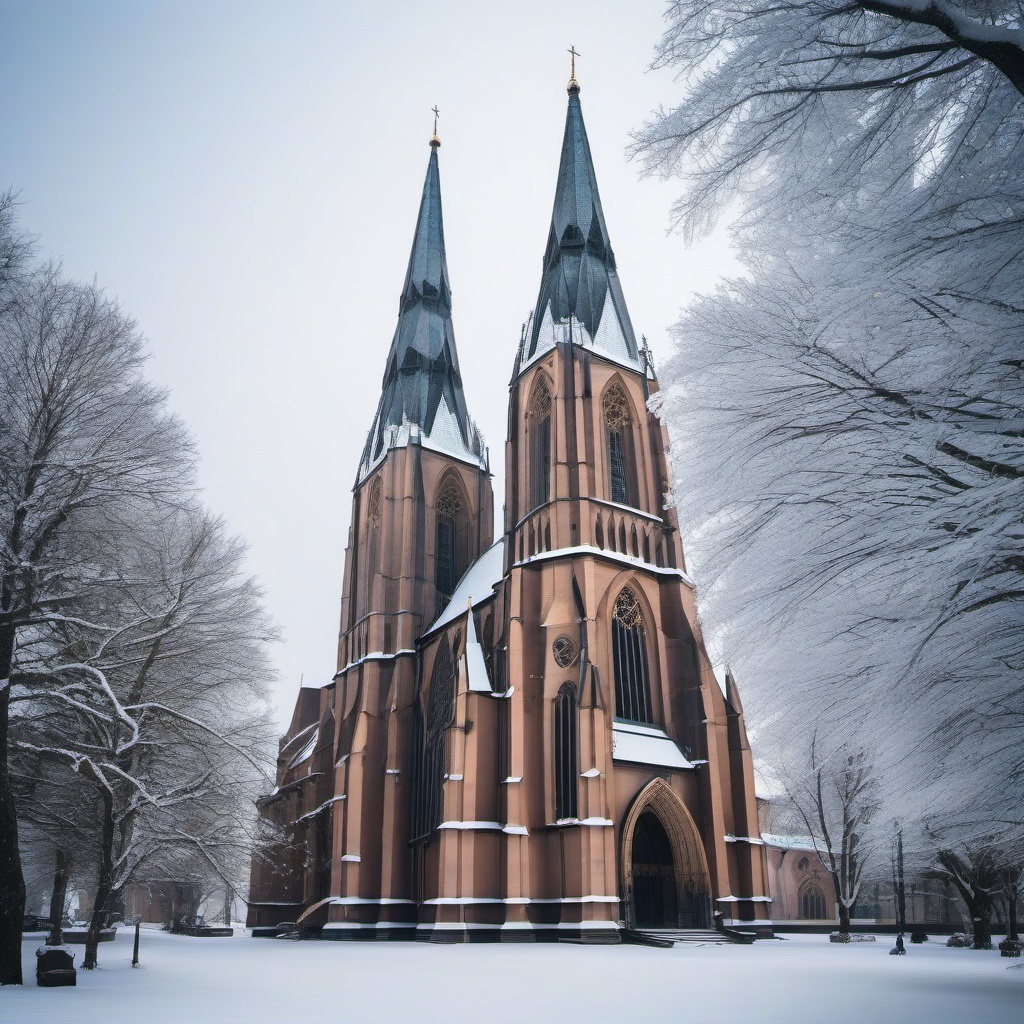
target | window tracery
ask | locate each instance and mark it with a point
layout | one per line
(627, 610)
(616, 407)
(629, 656)
(447, 509)
(373, 505)
(564, 650)
(540, 443)
(540, 400)
(812, 903)
(617, 420)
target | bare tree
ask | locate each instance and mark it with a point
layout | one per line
(172, 722)
(1013, 889)
(976, 874)
(83, 438)
(838, 803)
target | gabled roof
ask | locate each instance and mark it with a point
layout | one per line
(422, 400)
(580, 295)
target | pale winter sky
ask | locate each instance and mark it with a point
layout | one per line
(244, 176)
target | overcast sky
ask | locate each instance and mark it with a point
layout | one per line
(244, 178)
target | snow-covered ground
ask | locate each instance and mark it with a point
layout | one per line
(802, 980)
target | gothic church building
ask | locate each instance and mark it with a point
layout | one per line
(525, 738)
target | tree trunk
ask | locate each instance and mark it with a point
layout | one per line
(12, 881)
(176, 907)
(844, 917)
(191, 897)
(1011, 916)
(980, 909)
(58, 896)
(104, 886)
(901, 887)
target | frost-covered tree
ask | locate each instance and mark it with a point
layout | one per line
(82, 435)
(761, 79)
(129, 639)
(836, 796)
(57, 832)
(852, 468)
(977, 875)
(846, 418)
(169, 724)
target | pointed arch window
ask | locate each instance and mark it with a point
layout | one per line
(373, 517)
(373, 504)
(812, 903)
(447, 509)
(566, 754)
(540, 444)
(431, 730)
(629, 655)
(619, 438)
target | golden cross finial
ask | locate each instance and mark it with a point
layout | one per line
(574, 53)
(437, 114)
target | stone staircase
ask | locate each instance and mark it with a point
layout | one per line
(700, 936)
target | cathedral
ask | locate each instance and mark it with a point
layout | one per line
(525, 738)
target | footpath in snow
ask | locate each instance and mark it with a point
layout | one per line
(800, 980)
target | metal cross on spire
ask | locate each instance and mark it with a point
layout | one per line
(573, 53)
(437, 114)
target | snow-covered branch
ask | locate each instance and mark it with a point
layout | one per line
(1000, 45)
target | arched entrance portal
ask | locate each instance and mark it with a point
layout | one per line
(665, 873)
(655, 900)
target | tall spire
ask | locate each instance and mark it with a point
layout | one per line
(580, 294)
(422, 397)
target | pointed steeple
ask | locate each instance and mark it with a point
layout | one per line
(422, 397)
(580, 294)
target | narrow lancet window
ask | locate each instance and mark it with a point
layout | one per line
(540, 444)
(629, 653)
(446, 553)
(566, 754)
(431, 730)
(373, 520)
(617, 432)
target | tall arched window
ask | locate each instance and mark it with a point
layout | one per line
(373, 518)
(566, 755)
(431, 737)
(629, 654)
(446, 548)
(540, 444)
(618, 433)
(812, 903)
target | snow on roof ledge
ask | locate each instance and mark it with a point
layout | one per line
(790, 842)
(645, 744)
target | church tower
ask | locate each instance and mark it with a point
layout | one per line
(422, 512)
(524, 740)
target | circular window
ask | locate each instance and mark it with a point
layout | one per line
(564, 649)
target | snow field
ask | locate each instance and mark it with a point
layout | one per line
(801, 980)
